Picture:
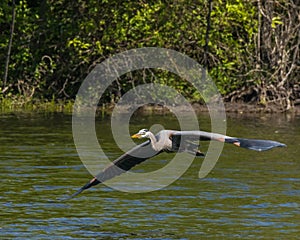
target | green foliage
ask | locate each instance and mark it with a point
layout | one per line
(57, 43)
(234, 25)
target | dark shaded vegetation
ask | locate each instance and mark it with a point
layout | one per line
(250, 48)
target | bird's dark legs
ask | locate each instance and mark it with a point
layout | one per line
(195, 152)
(192, 148)
(200, 154)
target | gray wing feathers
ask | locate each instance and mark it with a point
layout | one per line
(201, 135)
(127, 161)
(253, 144)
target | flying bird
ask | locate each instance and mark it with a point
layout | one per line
(170, 141)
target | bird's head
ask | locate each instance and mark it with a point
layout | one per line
(143, 133)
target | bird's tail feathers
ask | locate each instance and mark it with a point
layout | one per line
(254, 144)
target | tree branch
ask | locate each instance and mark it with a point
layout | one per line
(12, 28)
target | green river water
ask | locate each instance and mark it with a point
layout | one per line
(248, 195)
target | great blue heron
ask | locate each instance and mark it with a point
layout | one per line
(170, 141)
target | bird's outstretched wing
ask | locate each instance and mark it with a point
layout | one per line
(253, 144)
(122, 164)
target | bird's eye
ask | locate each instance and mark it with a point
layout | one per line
(143, 131)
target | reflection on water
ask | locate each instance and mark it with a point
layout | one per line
(247, 195)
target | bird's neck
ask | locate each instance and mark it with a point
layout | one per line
(153, 141)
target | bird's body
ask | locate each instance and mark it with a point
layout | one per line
(170, 141)
(161, 141)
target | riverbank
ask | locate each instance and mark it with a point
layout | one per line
(10, 105)
(230, 108)
(23, 105)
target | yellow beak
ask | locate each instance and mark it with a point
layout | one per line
(136, 135)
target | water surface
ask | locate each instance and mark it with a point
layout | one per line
(248, 195)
